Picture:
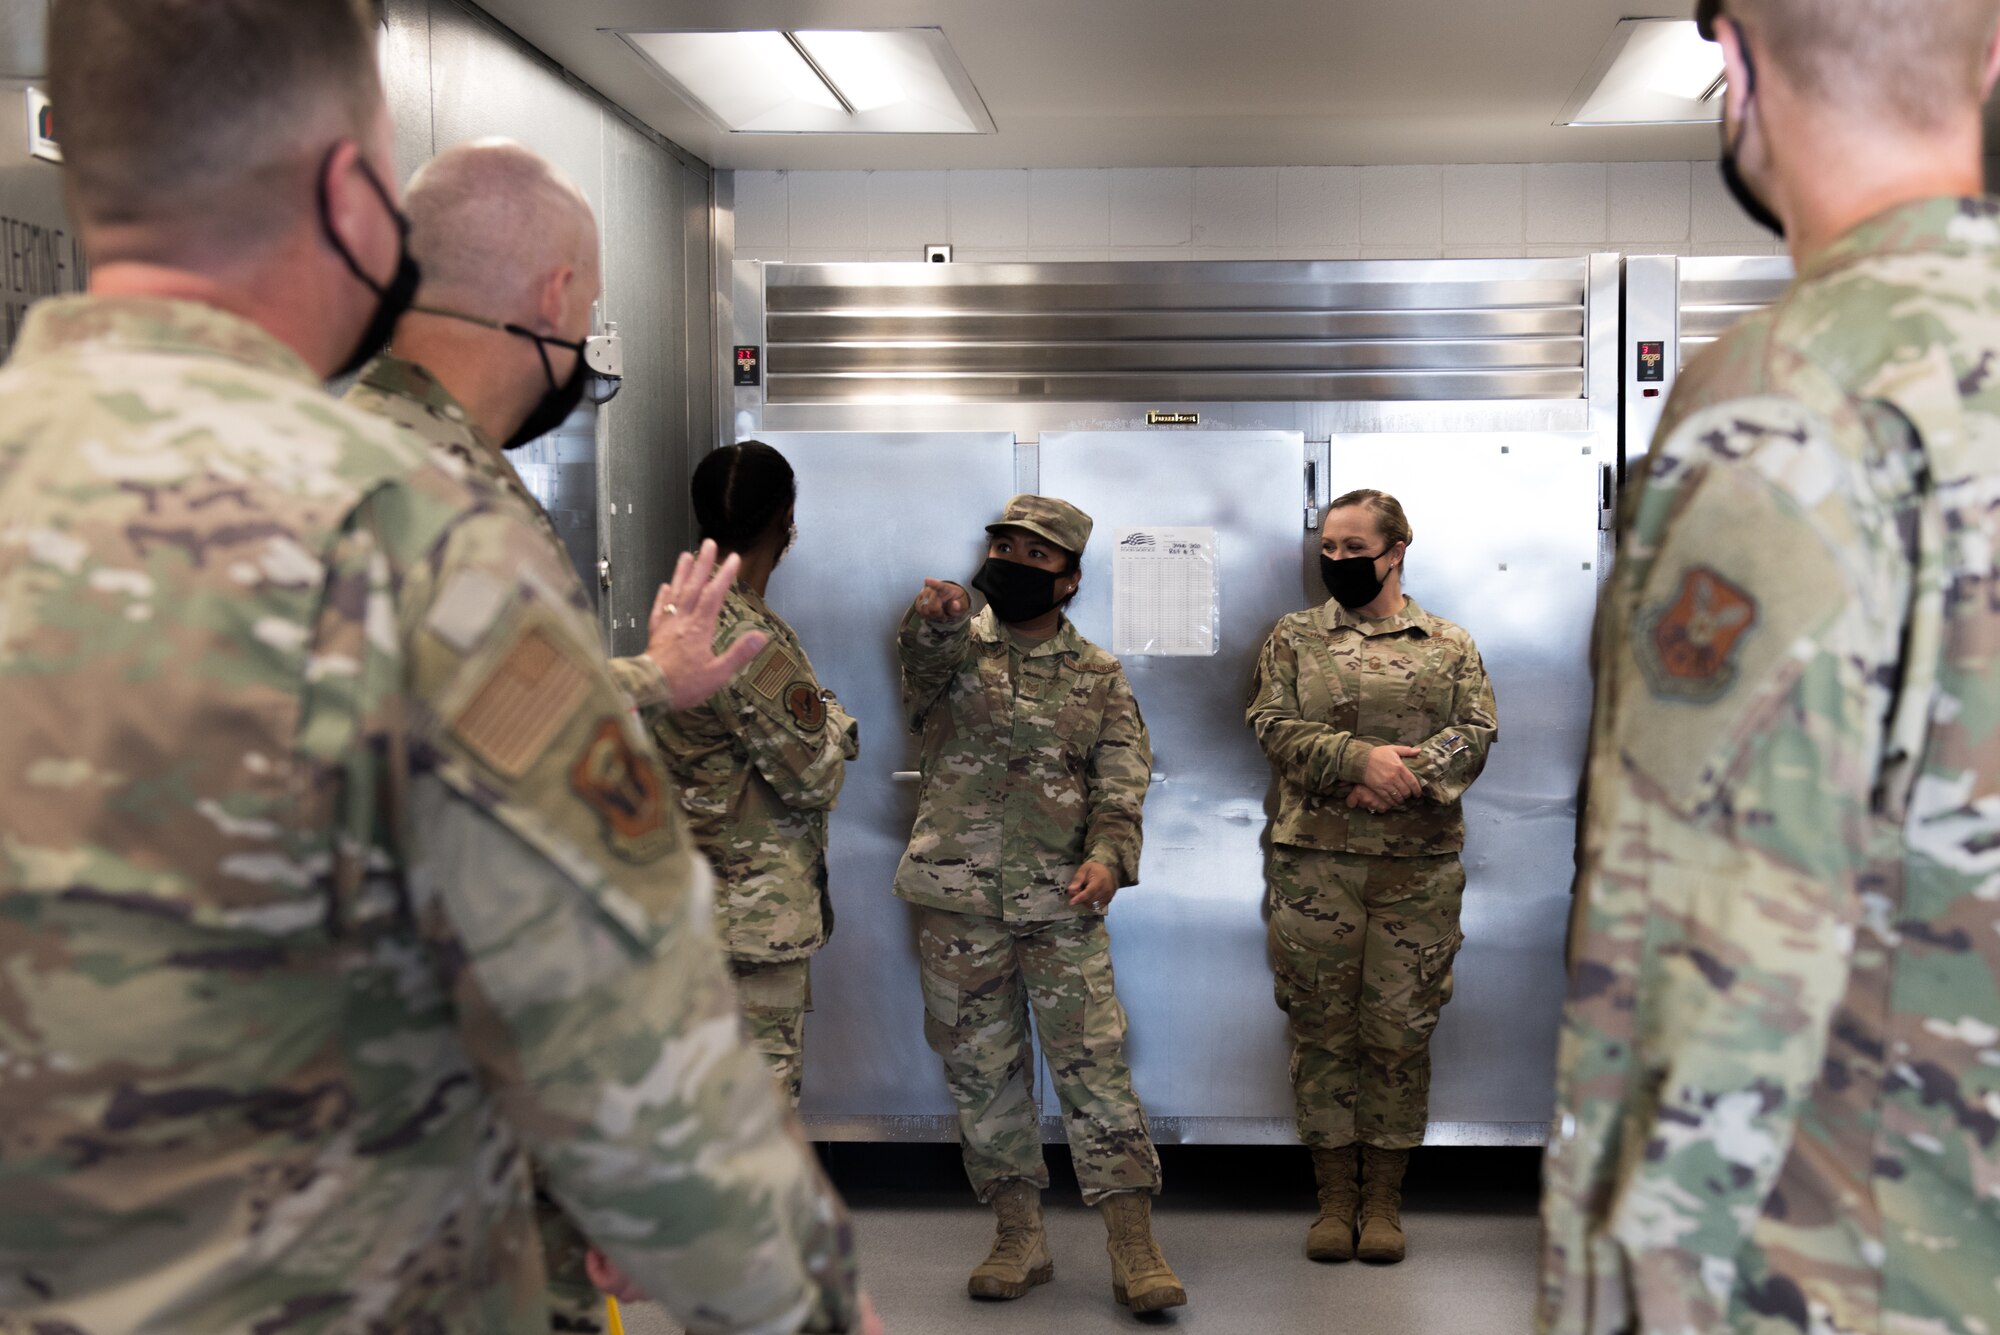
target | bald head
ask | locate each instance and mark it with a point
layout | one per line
(490, 221)
(1919, 64)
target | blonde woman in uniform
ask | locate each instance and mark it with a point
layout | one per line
(1376, 717)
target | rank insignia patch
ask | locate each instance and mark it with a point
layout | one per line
(803, 703)
(624, 791)
(1688, 647)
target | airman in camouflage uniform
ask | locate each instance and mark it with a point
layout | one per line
(1364, 904)
(201, 865)
(1779, 1101)
(418, 398)
(453, 221)
(336, 878)
(760, 767)
(1035, 765)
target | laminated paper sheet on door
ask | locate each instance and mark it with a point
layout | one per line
(1165, 595)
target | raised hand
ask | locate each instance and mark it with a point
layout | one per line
(681, 631)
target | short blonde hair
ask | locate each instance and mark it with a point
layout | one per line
(1388, 512)
(1916, 62)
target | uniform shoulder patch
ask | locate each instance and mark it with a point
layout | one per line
(806, 705)
(772, 673)
(1687, 646)
(626, 793)
(524, 702)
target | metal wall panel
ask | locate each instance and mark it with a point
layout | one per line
(643, 460)
(484, 83)
(24, 39)
(876, 515)
(1686, 303)
(406, 82)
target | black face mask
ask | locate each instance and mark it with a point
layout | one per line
(1739, 189)
(1352, 581)
(1017, 592)
(558, 401)
(390, 302)
(561, 399)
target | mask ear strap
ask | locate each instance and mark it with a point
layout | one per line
(1749, 82)
(542, 342)
(326, 221)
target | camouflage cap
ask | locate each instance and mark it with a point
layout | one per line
(1058, 521)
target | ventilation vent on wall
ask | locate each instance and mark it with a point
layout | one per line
(1135, 332)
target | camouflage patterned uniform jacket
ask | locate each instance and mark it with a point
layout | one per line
(1024, 779)
(1779, 1104)
(760, 765)
(335, 874)
(412, 397)
(1331, 686)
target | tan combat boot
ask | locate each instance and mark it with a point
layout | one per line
(1382, 1203)
(1332, 1235)
(1141, 1279)
(1020, 1256)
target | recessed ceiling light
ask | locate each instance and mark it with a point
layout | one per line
(1651, 72)
(818, 81)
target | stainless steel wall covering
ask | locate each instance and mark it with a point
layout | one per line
(1686, 303)
(1350, 331)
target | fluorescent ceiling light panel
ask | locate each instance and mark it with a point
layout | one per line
(810, 81)
(1651, 72)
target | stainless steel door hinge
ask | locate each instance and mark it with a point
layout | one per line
(604, 574)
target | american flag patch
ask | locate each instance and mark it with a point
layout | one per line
(774, 675)
(512, 718)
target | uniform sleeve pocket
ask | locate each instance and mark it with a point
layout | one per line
(1736, 608)
(493, 865)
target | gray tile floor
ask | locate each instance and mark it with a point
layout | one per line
(1233, 1225)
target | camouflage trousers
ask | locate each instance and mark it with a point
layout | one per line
(1362, 948)
(774, 996)
(981, 977)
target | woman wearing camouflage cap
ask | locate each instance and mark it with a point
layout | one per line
(1035, 766)
(1377, 717)
(760, 764)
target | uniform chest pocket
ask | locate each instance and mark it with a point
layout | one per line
(1077, 718)
(1327, 685)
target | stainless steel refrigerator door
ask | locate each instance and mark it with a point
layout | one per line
(1506, 546)
(1207, 1041)
(876, 515)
